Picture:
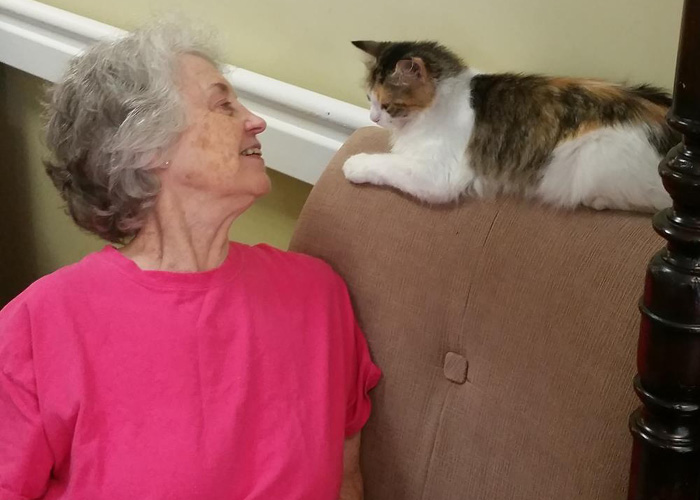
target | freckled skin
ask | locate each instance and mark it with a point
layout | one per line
(207, 157)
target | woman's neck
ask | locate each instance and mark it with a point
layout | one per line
(181, 235)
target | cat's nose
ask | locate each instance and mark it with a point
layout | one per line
(374, 116)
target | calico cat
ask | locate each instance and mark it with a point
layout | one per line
(564, 141)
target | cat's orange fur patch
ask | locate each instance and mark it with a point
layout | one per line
(381, 93)
(600, 88)
(422, 96)
(655, 112)
(419, 96)
(584, 128)
(608, 91)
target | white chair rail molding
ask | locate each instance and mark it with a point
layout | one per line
(305, 128)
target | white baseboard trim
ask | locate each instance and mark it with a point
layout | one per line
(304, 129)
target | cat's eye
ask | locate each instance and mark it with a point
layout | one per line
(367, 96)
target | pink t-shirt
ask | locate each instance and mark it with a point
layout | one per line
(236, 383)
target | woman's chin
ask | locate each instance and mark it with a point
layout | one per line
(253, 174)
(263, 185)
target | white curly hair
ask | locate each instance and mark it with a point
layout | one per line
(108, 119)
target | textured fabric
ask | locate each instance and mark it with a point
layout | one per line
(541, 303)
(237, 383)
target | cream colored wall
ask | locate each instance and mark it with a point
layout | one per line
(306, 42)
(37, 237)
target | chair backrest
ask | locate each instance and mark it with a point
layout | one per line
(506, 332)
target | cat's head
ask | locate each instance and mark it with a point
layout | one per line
(403, 78)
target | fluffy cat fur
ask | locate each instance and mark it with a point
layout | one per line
(564, 141)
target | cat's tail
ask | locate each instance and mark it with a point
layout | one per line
(653, 94)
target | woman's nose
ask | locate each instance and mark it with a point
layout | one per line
(255, 124)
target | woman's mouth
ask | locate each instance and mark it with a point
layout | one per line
(252, 152)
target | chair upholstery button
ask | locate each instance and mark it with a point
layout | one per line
(455, 368)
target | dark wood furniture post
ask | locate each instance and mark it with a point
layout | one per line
(666, 428)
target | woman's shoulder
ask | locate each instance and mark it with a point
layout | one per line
(61, 284)
(292, 264)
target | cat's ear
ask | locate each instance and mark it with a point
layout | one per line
(371, 48)
(410, 70)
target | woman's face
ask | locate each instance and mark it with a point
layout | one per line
(218, 155)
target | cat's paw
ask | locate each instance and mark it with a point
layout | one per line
(360, 169)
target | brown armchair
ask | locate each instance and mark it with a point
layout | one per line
(507, 333)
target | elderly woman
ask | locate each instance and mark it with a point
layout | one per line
(179, 365)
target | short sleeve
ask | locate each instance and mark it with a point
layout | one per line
(363, 376)
(25, 457)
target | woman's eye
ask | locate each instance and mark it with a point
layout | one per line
(228, 107)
